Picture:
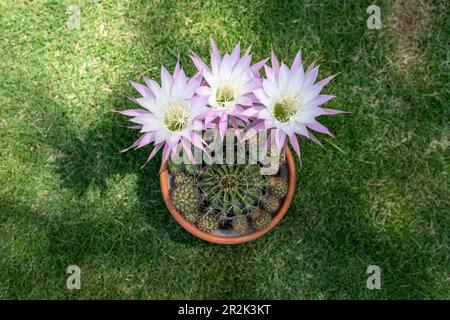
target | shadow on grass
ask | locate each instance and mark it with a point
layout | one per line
(89, 161)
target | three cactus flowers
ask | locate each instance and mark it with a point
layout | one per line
(285, 102)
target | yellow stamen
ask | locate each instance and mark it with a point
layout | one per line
(226, 94)
(285, 108)
(176, 117)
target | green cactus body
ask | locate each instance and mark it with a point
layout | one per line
(208, 223)
(173, 167)
(191, 169)
(182, 178)
(192, 216)
(185, 198)
(231, 190)
(270, 203)
(260, 219)
(240, 224)
(277, 186)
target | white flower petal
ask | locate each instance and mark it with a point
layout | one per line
(305, 116)
(166, 80)
(151, 124)
(283, 77)
(309, 93)
(149, 104)
(225, 67)
(262, 96)
(265, 114)
(161, 136)
(210, 78)
(295, 83)
(245, 101)
(203, 91)
(271, 89)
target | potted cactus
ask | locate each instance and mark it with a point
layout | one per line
(231, 202)
(227, 204)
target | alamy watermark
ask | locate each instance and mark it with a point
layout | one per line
(374, 280)
(74, 20)
(374, 20)
(74, 279)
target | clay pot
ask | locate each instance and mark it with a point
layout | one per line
(223, 238)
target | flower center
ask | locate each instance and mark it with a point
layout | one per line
(229, 183)
(176, 117)
(285, 108)
(225, 95)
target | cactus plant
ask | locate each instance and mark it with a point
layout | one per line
(231, 190)
(185, 198)
(191, 169)
(192, 216)
(260, 219)
(240, 224)
(270, 203)
(208, 223)
(174, 167)
(182, 178)
(230, 194)
(277, 186)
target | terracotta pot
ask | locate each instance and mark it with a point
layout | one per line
(222, 238)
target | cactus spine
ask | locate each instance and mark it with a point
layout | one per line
(277, 186)
(185, 198)
(182, 178)
(240, 224)
(270, 203)
(208, 223)
(260, 219)
(231, 190)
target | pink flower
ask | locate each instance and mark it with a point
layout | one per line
(291, 102)
(169, 113)
(231, 82)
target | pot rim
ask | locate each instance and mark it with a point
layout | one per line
(235, 239)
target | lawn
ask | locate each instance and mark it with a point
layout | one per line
(377, 194)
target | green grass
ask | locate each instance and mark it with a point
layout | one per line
(377, 194)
